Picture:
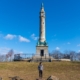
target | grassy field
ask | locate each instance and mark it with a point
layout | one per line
(28, 71)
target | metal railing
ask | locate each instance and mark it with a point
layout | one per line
(32, 57)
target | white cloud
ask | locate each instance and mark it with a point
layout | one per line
(10, 36)
(57, 48)
(78, 45)
(23, 39)
(17, 52)
(34, 37)
(68, 43)
(4, 50)
(21, 52)
(78, 50)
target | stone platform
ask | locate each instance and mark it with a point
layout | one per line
(43, 59)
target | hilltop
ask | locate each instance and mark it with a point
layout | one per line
(28, 71)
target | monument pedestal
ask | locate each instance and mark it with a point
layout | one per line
(42, 51)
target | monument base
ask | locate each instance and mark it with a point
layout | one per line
(41, 54)
(42, 51)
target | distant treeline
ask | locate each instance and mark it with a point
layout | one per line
(72, 55)
(56, 54)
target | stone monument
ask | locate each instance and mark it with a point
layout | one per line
(42, 46)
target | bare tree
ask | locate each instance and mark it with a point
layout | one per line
(66, 54)
(56, 54)
(2, 58)
(9, 55)
(72, 55)
(78, 56)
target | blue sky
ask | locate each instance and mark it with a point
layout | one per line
(19, 25)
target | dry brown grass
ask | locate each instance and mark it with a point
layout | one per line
(28, 71)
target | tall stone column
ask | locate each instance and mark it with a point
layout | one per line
(42, 25)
